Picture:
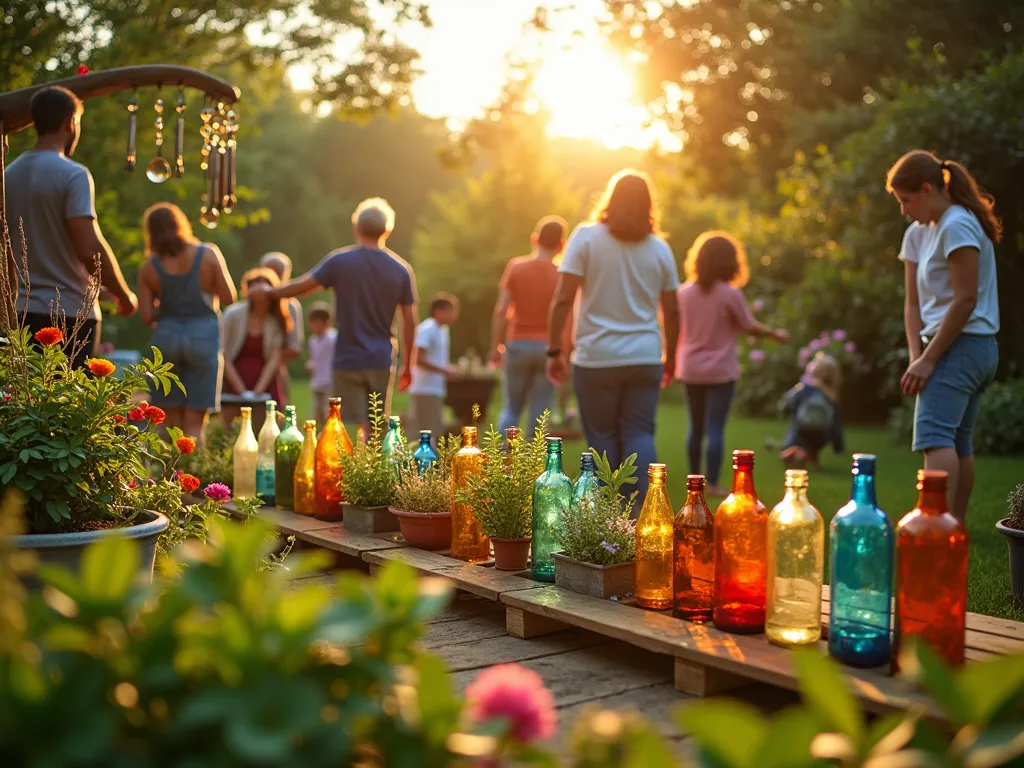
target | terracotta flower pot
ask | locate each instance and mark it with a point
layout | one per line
(511, 554)
(425, 531)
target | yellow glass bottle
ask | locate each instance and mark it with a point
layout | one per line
(655, 544)
(244, 458)
(304, 490)
(468, 540)
(334, 441)
(796, 564)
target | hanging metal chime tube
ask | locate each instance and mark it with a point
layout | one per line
(133, 120)
(179, 136)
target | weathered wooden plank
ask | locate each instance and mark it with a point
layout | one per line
(476, 654)
(477, 579)
(656, 703)
(524, 625)
(468, 630)
(338, 539)
(463, 605)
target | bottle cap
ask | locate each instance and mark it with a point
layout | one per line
(696, 482)
(932, 480)
(743, 459)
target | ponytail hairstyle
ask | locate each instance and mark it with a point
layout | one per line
(279, 307)
(917, 168)
(166, 230)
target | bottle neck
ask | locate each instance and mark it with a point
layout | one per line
(797, 493)
(246, 421)
(743, 482)
(334, 411)
(554, 462)
(932, 502)
(289, 420)
(864, 490)
(695, 498)
(425, 440)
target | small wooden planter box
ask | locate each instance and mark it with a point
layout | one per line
(602, 581)
(368, 519)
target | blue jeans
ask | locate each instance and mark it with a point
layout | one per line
(523, 379)
(708, 405)
(617, 407)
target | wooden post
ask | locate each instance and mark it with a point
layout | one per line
(522, 624)
(700, 680)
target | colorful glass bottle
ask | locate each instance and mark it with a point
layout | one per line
(304, 492)
(265, 455)
(931, 573)
(861, 564)
(552, 495)
(393, 439)
(468, 540)
(654, 544)
(796, 566)
(244, 457)
(693, 576)
(334, 441)
(424, 455)
(286, 455)
(511, 435)
(741, 530)
(587, 488)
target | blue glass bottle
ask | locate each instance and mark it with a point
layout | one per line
(587, 485)
(862, 573)
(552, 494)
(424, 455)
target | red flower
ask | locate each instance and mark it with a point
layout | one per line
(118, 418)
(185, 444)
(132, 484)
(49, 336)
(100, 367)
(154, 414)
(83, 70)
(137, 413)
(188, 482)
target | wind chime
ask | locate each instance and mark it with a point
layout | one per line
(218, 132)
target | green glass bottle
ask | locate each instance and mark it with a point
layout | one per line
(393, 439)
(286, 455)
(552, 494)
(588, 487)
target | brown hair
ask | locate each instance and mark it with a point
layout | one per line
(52, 107)
(917, 168)
(717, 256)
(166, 230)
(550, 231)
(279, 307)
(827, 375)
(627, 207)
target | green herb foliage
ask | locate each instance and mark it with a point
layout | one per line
(604, 533)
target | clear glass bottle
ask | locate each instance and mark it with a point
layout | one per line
(552, 495)
(265, 455)
(286, 455)
(862, 543)
(931, 573)
(304, 492)
(693, 579)
(741, 531)
(796, 566)
(468, 540)
(244, 457)
(334, 441)
(424, 455)
(587, 487)
(655, 544)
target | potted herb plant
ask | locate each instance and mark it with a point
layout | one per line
(502, 495)
(1012, 527)
(423, 503)
(598, 537)
(368, 480)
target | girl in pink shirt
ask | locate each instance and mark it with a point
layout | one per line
(712, 313)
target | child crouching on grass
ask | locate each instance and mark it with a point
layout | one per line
(815, 418)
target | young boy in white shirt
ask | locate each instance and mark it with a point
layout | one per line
(433, 366)
(321, 353)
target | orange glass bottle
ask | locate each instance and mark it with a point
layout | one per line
(741, 532)
(654, 545)
(334, 440)
(693, 580)
(468, 540)
(304, 486)
(931, 573)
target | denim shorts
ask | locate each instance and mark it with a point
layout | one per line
(947, 407)
(193, 346)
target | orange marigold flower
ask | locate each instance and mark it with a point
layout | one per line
(154, 414)
(100, 367)
(118, 418)
(49, 336)
(188, 482)
(186, 444)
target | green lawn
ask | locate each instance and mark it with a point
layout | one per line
(989, 580)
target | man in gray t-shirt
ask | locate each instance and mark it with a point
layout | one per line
(53, 199)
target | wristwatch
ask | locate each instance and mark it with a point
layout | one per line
(553, 352)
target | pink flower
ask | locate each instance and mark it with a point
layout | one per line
(850, 347)
(217, 492)
(817, 344)
(805, 354)
(757, 305)
(514, 692)
(838, 335)
(757, 355)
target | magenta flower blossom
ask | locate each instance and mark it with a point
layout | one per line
(816, 344)
(217, 492)
(805, 354)
(838, 335)
(757, 355)
(850, 347)
(757, 305)
(513, 692)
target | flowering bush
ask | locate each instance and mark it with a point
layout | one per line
(601, 530)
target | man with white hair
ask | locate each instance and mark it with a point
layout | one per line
(370, 284)
(281, 265)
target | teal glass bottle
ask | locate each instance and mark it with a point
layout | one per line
(393, 439)
(862, 540)
(286, 455)
(266, 457)
(587, 487)
(552, 495)
(424, 455)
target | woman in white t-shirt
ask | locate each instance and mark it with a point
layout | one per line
(951, 311)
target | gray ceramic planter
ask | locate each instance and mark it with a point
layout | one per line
(1015, 540)
(368, 519)
(66, 548)
(602, 581)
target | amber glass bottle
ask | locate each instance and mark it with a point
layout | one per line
(468, 540)
(333, 442)
(655, 544)
(693, 580)
(304, 490)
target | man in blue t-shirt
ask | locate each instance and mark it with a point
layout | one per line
(370, 284)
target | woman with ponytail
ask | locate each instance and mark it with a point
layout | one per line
(951, 311)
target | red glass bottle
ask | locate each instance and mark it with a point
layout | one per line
(741, 531)
(931, 573)
(693, 582)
